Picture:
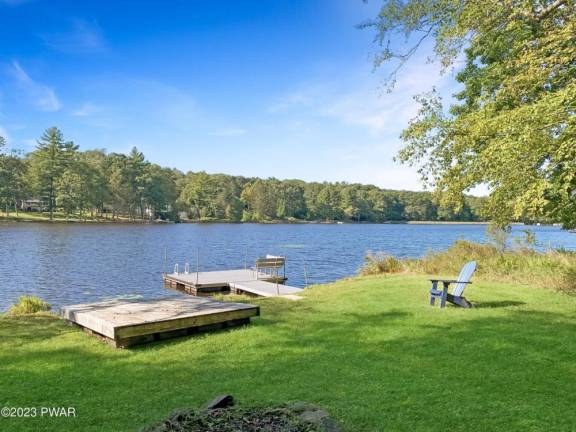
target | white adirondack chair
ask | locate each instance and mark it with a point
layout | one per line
(456, 296)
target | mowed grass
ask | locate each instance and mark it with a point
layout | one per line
(57, 217)
(370, 350)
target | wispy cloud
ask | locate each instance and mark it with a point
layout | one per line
(229, 132)
(85, 110)
(356, 100)
(82, 37)
(42, 96)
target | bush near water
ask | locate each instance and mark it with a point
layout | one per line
(29, 305)
(552, 269)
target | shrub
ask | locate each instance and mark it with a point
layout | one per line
(378, 263)
(553, 269)
(28, 305)
(498, 236)
(568, 281)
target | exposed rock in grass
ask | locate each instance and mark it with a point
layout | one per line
(297, 417)
(221, 401)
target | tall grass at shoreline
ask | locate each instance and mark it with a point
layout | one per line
(554, 269)
(29, 305)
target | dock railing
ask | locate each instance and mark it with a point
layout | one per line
(270, 266)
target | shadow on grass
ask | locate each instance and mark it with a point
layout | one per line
(24, 329)
(497, 304)
(373, 370)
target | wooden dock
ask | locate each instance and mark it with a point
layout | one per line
(124, 323)
(226, 281)
(263, 289)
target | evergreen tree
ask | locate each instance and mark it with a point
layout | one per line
(53, 155)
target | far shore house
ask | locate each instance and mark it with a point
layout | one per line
(33, 204)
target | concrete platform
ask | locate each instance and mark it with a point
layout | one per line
(129, 322)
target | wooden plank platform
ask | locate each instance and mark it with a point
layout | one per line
(211, 282)
(263, 288)
(129, 322)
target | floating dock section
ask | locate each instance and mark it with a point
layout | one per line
(230, 281)
(123, 323)
(264, 280)
(263, 289)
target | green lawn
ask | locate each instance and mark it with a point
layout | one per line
(58, 217)
(370, 350)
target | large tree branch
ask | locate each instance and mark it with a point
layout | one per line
(543, 13)
(549, 9)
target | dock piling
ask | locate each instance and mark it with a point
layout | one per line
(197, 264)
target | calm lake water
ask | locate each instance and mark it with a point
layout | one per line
(68, 263)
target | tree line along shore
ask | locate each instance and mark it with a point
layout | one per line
(56, 181)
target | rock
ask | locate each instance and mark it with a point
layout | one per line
(313, 415)
(221, 401)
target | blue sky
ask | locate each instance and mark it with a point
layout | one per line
(280, 88)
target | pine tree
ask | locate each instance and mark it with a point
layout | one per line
(48, 162)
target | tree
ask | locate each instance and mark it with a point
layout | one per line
(328, 203)
(5, 175)
(70, 191)
(290, 202)
(513, 125)
(199, 194)
(13, 171)
(136, 179)
(130, 186)
(96, 163)
(117, 183)
(260, 200)
(128, 179)
(160, 191)
(48, 162)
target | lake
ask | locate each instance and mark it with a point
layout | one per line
(71, 263)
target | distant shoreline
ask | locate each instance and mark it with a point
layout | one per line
(35, 218)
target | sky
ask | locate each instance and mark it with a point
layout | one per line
(266, 88)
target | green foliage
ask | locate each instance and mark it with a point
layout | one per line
(29, 305)
(95, 185)
(552, 269)
(70, 191)
(12, 177)
(527, 241)
(260, 200)
(53, 155)
(498, 236)
(198, 194)
(381, 263)
(371, 351)
(513, 126)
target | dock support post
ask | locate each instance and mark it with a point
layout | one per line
(197, 264)
(165, 259)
